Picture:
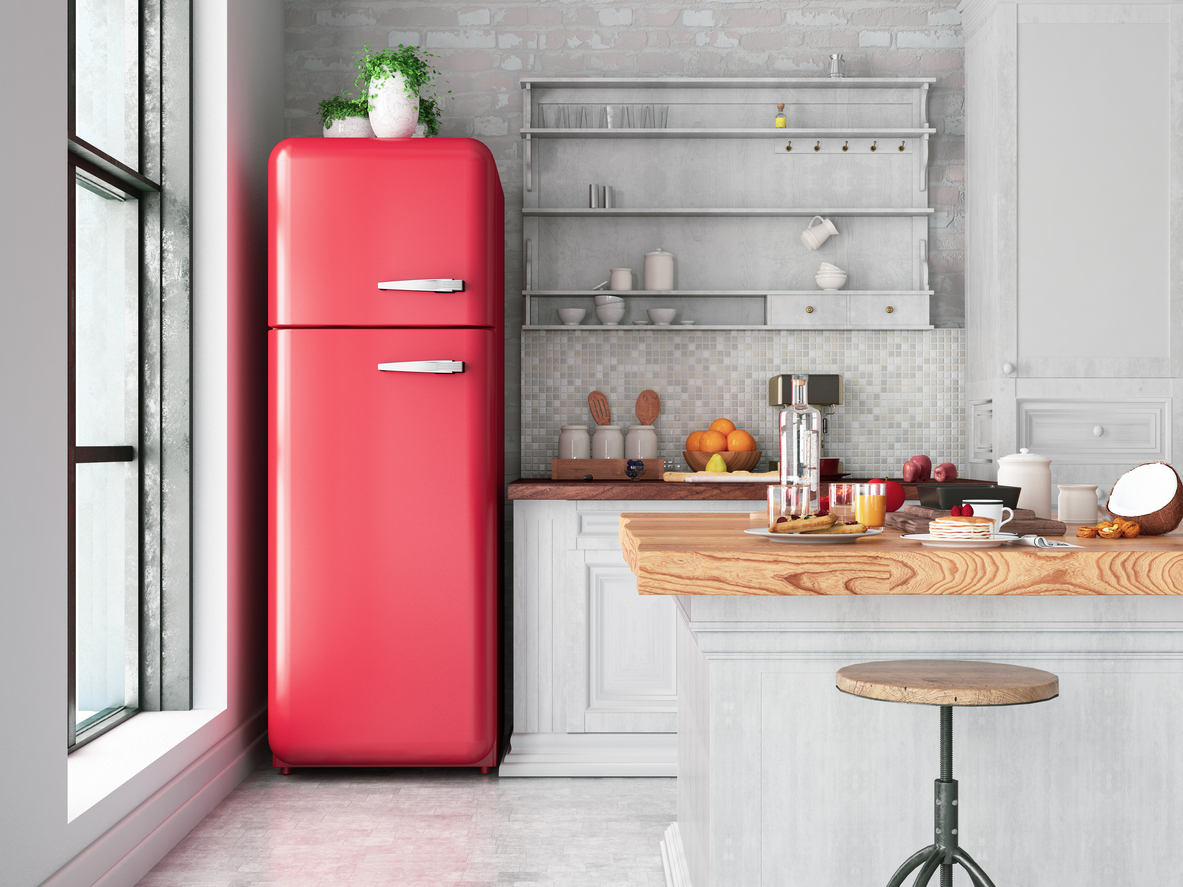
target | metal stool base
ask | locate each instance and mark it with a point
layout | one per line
(945, 852)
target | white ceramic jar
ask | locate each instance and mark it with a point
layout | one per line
(607, 442)
(641, 442)
(574, 442)
(1033, 473)
(659, 270)
(1077, 503)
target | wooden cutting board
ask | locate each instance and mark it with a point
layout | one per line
(915, 518)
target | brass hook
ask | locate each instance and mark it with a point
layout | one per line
(846, 146)
(901, 147)
(818, 146)
(873, 144)
(789, 146)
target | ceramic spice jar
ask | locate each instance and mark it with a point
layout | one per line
(641, 442)
(574, 442)
(1033, 473)
(607, 442)
(659, 270)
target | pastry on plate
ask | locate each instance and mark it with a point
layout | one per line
(802, 524)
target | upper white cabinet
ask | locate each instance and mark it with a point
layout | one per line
(698, 168)
(1074, 231)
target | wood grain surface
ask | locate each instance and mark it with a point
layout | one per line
(606, 490)
(710, 554)
(948, 682)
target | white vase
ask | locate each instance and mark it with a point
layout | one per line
(350, 128)
(393, 113)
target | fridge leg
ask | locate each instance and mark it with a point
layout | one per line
(484, 771)
(285, 771)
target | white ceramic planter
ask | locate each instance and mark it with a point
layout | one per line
(393, 113)
(350, 128)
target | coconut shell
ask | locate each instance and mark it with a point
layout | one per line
(1160, 522)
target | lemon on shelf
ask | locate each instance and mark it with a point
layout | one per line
(716, 463)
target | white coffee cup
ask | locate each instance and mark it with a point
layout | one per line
(815, 235)
(991, 508)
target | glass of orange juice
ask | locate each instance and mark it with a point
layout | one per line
(870, 504)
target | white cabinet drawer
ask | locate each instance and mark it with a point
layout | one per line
(889, 310)
(821, 311)
(1097, 432)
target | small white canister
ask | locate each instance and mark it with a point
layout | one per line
(1077, 503)
(607, 442)
(641, 442)
(574, 442)
(1033, 473)
(659, 270)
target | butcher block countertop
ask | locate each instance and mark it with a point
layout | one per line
(634, 489)
(710, 554)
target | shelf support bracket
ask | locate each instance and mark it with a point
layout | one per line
(923, 173)
(924, 264)
(924, 106)
(528, 123)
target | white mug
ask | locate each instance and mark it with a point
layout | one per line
(815, 235)
(620, 279)
(991, 508)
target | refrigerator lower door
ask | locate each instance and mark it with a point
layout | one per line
(384, 514)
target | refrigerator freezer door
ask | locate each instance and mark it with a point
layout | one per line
(371, 233)
(384, 512)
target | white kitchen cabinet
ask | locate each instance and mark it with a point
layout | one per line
(1074, 229)
(595, 663)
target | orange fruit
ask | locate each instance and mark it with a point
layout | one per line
(713, 442)
(741, 442)
(724, 425)
(694, 441)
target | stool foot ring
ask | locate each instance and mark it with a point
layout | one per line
(979, 877)
(916, 859)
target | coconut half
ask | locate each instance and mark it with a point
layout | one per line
(1151, 495)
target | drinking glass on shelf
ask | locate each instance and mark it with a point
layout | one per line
(842, 501)
(870, 504)
(787, 500)
(555, 116)
(661, 114)
(646, 117)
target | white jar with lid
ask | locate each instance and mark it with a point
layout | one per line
(659, 270)
(574, 442)
(607, 442)
(641, 442)
(1033, 473)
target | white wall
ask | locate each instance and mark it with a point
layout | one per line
(238, 116)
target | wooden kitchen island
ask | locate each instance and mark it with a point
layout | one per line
(783, 780)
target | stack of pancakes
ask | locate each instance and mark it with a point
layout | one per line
(971, 527)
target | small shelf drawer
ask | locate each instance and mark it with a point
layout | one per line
(824, 310)
(890, 310)
(1096, 432)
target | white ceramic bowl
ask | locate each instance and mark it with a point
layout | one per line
(826, 266)
(662, 316)
(830, 281)
(607, 300)
(610, 315)
(572, 316)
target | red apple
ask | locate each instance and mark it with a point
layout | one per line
(894, 493)
(925, 464)
(945, 471)
(912, 472)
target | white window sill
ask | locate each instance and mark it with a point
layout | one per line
(102, 766)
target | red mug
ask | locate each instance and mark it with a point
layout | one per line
(829, 466)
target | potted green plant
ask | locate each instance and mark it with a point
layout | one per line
(346, 117)
(393, 80)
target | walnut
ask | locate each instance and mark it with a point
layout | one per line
(1109, 533)
(1130, 530)
(1086, 533)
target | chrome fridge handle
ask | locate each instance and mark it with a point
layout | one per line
(430, 285)
(423, 366)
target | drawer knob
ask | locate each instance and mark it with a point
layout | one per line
(1098, 430)
(890, 309)
(808, 309)
(1008, 368)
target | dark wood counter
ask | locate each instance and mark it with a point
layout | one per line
(639, 490)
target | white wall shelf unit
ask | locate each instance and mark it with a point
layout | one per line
(726, 192)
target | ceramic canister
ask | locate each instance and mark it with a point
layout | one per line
(574, 442)
(620, 279)
(641, 442)
(1077, 503)
(607, 442)
(659, 270)
(1033, 473)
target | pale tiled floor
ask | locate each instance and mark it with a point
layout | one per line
(425, 827)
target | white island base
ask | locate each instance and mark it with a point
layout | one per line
(783, 780)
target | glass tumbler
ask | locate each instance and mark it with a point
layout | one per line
(791, 501)
(842, 502)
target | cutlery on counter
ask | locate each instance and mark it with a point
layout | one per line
(598, 404)
(648, 406)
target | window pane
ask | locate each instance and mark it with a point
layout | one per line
(106, 586)
(106, 76)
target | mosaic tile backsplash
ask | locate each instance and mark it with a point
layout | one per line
(902, 389)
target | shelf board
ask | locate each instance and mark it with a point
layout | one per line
(724, 212)
(738, 133)
(675, 294)
(677, 326)
(825, 82)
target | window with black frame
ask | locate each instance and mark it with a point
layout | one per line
(128, 167)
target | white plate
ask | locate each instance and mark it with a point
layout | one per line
(927, 540)
(812, 538)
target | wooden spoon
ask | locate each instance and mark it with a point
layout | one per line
(599, 408)
(648, 406)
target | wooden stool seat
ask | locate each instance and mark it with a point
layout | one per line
(948, 682)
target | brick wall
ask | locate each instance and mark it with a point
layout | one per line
(483, 49)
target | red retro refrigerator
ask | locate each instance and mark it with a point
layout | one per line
(386, 423)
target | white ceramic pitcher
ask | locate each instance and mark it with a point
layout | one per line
(815, 235)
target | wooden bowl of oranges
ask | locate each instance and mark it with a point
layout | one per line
(736, 447)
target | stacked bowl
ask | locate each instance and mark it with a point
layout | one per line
(830, 277)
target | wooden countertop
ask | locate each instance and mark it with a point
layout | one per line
(635, 490)
(710, 554)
